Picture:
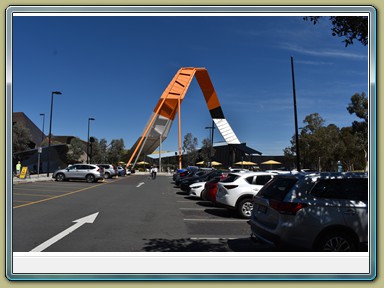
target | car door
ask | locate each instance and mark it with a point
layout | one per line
(81, 171)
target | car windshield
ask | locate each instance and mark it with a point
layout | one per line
(277, 188)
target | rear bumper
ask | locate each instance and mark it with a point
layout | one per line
(265, 236)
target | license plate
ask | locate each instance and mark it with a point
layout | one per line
(262, 209)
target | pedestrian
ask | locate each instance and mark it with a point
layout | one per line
(18, 168)
(154, 172)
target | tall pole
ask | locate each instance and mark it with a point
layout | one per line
(89, 120)
(296, 126)
(50, 130)
(42, 132)
(210, 150)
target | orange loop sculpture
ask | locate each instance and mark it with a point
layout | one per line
(156, 130)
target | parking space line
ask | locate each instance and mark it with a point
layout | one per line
(58, 196)
(216, 220)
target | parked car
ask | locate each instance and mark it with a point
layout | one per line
(318, 212)
(180, 173)
(199, 176)
(210, 188)
(190, 174)
(109, 170)
(121, 171)
(196, 189)
(88, 172)
(237, 190)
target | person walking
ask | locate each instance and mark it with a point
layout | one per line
(18, 168)
(154, 172)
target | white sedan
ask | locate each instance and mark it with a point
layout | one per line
(196, 189)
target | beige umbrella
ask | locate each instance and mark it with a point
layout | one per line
(271, 162)
(249, 163)
(200, 163)
(215, 163)
(142, 163)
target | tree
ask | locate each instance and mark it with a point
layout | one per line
(359, 107)
(115, 151)
(21, 138)
(76, 149)
(350, 27)
(207, 152)
(189, 146)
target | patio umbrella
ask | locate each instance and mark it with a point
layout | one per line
(142, 163)
(249, 163)
(271, 162)
(215, 163)
(200, 163)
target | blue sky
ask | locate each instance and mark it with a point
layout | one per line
(115, 69)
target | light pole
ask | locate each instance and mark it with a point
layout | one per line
(210, 150)
(42, 134)
(89, 120)
(50, 130)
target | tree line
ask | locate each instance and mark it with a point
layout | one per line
(322, 146)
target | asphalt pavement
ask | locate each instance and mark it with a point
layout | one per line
(44, 177)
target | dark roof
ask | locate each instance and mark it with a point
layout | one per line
(244, 148)
(36, 133)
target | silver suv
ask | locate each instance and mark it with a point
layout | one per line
(318, 212)
(88, 172)
(109, 170)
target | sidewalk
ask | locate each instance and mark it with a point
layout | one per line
(33, 178)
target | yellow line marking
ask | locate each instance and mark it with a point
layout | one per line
(58, 196)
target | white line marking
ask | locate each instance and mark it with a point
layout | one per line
(79, 222)
(217, 220)
(140, 184)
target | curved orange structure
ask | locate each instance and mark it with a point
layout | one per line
(169, 104)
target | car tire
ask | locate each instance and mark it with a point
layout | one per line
(244, 208)
(90, 178)
(336, 241)
(107, 175)
(60, 177)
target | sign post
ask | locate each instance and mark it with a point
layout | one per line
(39, 150)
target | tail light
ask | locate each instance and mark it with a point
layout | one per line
(288, 208)
(230, 186)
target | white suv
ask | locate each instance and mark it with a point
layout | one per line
(237, 190)
(320, 212)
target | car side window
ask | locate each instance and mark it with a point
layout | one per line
(262, 179)
(249, 179)
(350, 189)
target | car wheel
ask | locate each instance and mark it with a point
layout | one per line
(90, 178)
(244, 208)
(107, 175)
(60, 177)
(336, 241)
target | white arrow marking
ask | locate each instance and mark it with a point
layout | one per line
(79, 222)
(141, 183)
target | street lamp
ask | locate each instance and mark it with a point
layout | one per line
(42, 134)
(50, 130)
(210, 150)
(89, 120)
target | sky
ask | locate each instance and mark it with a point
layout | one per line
(115, 68)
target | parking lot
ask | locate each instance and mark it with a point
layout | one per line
(134, 214)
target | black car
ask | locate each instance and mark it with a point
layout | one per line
(187, 176)
(204, 176)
